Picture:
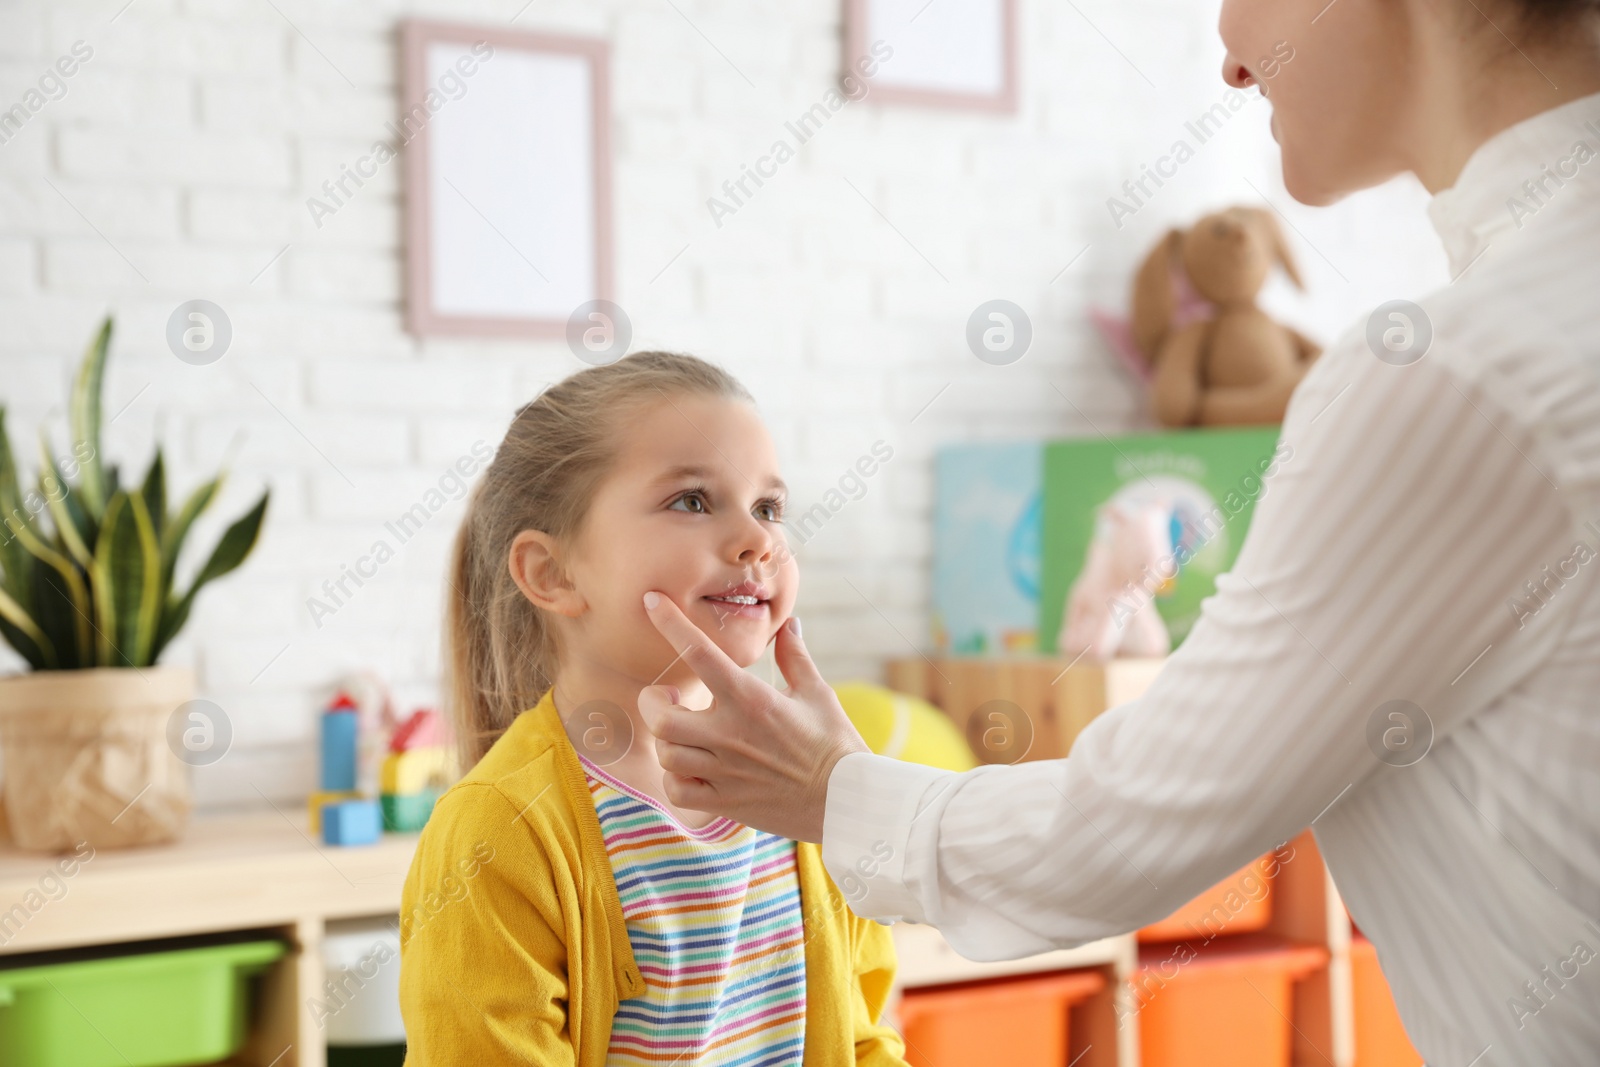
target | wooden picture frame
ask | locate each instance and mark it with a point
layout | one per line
(951, 53)
(507, 145)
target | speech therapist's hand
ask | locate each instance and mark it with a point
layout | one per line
(756, 755)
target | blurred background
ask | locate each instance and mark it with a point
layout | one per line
(202, 151)
(179, 162)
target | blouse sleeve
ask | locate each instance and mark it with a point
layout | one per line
(1406, 512)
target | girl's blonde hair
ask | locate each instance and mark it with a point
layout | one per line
(500, 652)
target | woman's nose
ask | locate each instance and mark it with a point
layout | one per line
(1236, 73)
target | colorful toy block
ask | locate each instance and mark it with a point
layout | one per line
(340, 744)
(411, 780)
(321, 799)
(408, 813)
(425, 729)
(351, 822)
(413, 771)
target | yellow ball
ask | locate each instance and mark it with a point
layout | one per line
(905, 727)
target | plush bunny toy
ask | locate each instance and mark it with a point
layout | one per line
(1216, 358)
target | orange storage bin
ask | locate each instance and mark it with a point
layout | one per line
(1239, 904)
(1381, 1040)
(1020, 1022)
(1227, 1003)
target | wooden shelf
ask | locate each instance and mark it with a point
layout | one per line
(260, 869)
(1057, 698)
(230, 871)
(926, 959)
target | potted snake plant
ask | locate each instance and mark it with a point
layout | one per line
(89, 597)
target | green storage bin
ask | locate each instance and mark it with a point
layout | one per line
(131, 1009)
(367, 1055)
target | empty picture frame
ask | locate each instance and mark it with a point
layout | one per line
(944, 53)
(508, 178)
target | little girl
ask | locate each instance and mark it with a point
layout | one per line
(560, 910)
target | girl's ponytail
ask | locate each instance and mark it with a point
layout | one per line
(486, 687)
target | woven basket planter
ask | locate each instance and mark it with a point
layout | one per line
(87, 757)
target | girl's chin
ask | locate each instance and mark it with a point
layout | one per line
(744, 653)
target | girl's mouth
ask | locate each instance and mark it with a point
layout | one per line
(739, 605)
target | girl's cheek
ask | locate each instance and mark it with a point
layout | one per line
(791, 583)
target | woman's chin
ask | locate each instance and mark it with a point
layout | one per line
(1309, 184)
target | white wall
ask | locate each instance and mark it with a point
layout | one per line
(179, 162)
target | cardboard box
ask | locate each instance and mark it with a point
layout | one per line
(1014, 709)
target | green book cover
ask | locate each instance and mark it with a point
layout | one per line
(1146, 517)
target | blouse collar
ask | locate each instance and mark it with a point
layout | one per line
(1513, 175)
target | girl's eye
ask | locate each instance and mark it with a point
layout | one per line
(770, 511)
(693, 501)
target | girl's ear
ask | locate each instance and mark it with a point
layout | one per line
(537, 570)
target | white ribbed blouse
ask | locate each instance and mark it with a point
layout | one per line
(1434, 537)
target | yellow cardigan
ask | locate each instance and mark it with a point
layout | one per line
(512, 943)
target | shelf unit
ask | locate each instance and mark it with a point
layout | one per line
(261, 870)
(1058, 699)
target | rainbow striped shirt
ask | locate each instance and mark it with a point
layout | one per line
(714, 919)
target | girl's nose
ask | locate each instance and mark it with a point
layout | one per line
(755, 543)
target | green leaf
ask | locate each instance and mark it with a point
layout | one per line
(67, 578)
(105, 590)
(174, 532)
(17, 618)
(151, 592)
(155, 492)
(72, 525)
(84, 417)
(16, 564)
(235, 546)
(127, 583)
(61, 618)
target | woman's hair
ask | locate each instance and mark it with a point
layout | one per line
(500, 651)
(1546, 16)
(1556, 8)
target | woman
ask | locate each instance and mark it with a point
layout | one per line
(1407, 652)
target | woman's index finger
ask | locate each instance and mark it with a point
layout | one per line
(712, 665)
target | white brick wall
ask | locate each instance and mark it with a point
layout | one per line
(178, 164)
